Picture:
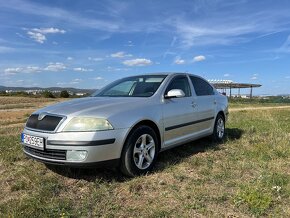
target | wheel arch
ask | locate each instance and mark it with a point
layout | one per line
(150, 124)
(222, 114)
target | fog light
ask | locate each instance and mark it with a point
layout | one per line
(76, 155)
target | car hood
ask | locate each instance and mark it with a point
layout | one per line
(92, 106)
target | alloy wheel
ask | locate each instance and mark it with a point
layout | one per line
(220, 128)
(144, 151)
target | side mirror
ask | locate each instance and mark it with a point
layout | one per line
(175, 93)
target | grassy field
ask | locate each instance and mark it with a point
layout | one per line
(247, 175)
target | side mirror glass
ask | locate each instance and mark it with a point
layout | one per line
(175, 93)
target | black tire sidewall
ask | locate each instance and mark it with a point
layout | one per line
(128, 166)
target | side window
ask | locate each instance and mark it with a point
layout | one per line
(201, 87)
(180, 82)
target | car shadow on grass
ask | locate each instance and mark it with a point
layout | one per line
(179, 154)
(165, 159)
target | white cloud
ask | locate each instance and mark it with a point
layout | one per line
(55, 67)
(109, 68)
(219, 30)
(120, 54)
(39, 34)
(16, 70)
(255, 76)
(98, 78)
(64, 16)
(129, 44)
(48, 30)
(76, 81)
(95, 59)
(69, 58)
(38, 37)
(199, 58)
(138, 62)
(285, 46)
(13, 71)
(226, 75)
(173, 41)
(80, 69)
(178, 60)
(60, 83)
(32, 69)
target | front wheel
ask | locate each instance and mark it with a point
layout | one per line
(219, 129)
(140, 151)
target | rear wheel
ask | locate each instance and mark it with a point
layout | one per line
(219, 129)
(140, 151)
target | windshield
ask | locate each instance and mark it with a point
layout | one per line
(137, 86)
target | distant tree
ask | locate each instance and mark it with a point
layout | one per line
(64, 94)
(48, 94)
(3, 93)
(19, 93)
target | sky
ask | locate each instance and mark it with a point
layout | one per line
(88, 43)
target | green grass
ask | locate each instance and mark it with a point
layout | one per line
(256, 102)
(246, 176)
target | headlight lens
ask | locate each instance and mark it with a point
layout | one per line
(86, 124)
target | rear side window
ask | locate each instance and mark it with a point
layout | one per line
(201, 87)
(180, 82)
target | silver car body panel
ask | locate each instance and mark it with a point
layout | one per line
(179, 120)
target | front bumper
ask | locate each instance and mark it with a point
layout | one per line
(62, 148)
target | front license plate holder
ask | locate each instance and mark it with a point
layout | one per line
(33, 141)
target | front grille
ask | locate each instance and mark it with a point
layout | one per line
(47, 153)
(48, 123)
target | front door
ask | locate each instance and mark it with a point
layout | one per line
(178, 113)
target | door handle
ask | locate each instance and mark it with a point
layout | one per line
(193, 104)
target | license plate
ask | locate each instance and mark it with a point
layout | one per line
(33, 141)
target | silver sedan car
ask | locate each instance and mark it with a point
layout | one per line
(127, 123)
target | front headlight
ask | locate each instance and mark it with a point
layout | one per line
(86, 124)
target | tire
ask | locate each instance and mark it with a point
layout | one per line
(140, 151)
(219, 129)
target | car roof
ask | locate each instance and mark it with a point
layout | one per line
(165, 73)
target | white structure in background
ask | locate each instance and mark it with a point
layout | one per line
(223, 85)
(213, 81)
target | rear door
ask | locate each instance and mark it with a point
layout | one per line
(204, 103)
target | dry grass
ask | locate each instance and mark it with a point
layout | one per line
(16, 103)
(24, 100)
(247, 175)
